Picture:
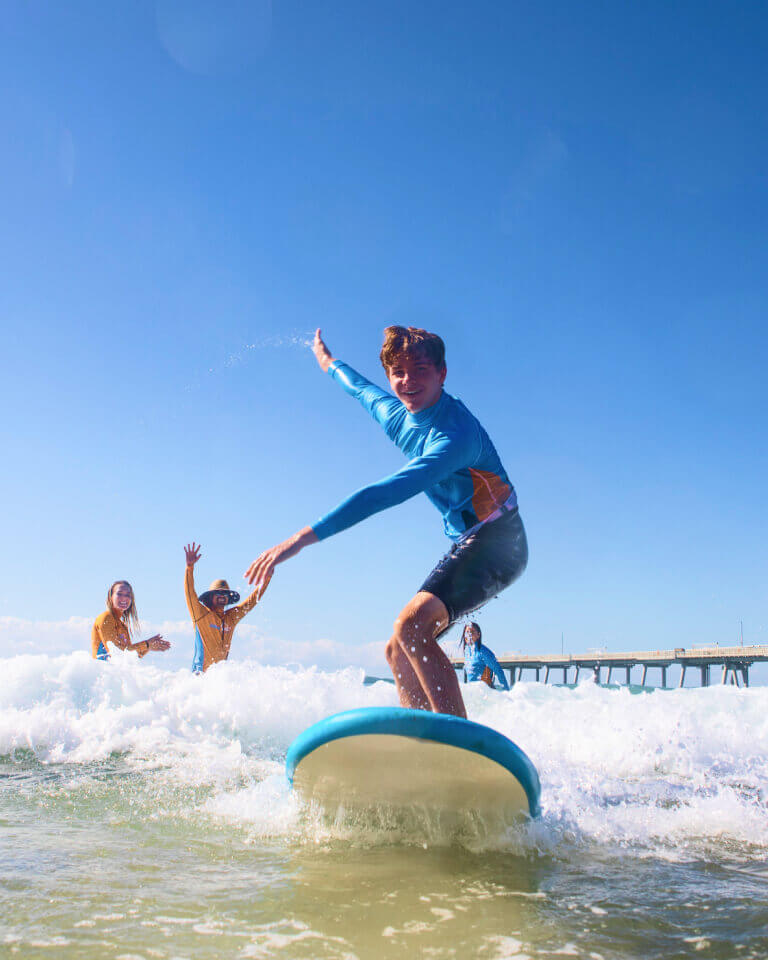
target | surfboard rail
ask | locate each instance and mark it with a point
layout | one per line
(425, 726)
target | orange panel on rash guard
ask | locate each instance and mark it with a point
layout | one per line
(109, 629)
(490, 492)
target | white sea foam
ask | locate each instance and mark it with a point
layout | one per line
(77, 710)
(675, 773)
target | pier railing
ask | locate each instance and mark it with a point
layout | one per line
(734, 661)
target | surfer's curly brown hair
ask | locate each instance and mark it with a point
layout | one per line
(410, 342)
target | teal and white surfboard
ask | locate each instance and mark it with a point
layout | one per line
(410, 758)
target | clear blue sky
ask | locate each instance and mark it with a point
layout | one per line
(574, 195)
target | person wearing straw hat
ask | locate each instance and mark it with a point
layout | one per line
(214, 623)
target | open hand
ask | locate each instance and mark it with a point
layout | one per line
(192, 553)
(157, 643)
(262, 568)
(321, 352)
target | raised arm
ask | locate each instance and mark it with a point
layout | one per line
(196, 609)
(382, 406)
(321, 351)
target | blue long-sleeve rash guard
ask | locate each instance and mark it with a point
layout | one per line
(451, 459)
(476, 658)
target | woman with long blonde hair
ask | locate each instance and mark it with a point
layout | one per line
(119, 624)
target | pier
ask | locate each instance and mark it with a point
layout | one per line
(733, 664)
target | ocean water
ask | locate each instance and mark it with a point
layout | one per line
(144, 814)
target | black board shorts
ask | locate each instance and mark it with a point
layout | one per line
(480, 566)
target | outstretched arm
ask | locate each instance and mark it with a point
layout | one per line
(118, 636)
(157, 643)
(261, 570)
(441, 459)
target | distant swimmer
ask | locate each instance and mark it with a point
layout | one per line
(119, 623)
(214, 624)
(479, 660)
(452, 460)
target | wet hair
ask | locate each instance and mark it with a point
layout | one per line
(411, 342)
(130, 617)
(464, 640)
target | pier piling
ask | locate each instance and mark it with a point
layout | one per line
(735, 663)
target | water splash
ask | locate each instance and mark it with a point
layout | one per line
(676, 774)
(276, 341)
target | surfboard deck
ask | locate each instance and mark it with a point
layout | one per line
(390, 756)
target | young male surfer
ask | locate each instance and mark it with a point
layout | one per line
(214, 624)
(452, 460)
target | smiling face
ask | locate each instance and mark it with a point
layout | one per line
(219, 600)
(122, 596)
(416, 381)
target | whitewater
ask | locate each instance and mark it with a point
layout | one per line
(144, 812)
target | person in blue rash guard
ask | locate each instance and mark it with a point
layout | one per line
(452, 460)
(479, 660)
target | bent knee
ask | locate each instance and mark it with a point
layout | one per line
(424, 614)
(392, 651)
(404, 625)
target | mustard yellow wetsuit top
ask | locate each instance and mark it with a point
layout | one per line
(110, 629)
(213, 633)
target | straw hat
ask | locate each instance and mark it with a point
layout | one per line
(216, 587)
